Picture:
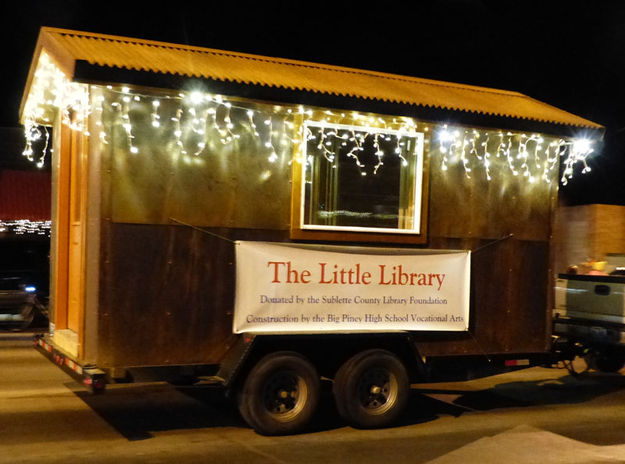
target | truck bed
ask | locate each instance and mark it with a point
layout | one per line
(590, 308)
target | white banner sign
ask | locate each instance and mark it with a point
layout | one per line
(290, 288)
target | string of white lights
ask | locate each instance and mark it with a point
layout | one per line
(330, 141)
(197, 115)
(513, 148)
(25, 227)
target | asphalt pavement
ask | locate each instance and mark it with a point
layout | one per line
(534, 415)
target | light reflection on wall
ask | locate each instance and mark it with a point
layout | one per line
(193, 124)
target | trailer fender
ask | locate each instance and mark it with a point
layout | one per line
(327, 352)
(232, 364)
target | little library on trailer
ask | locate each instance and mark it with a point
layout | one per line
(226, 215)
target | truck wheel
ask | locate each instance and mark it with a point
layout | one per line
(27, 315)
(608, 360)
(280, 394)
(371, 389)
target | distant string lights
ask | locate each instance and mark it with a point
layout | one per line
(190, 123)
(25, 227)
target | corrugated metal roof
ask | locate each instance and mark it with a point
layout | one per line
(66, 47)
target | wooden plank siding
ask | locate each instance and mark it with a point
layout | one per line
(167, 290)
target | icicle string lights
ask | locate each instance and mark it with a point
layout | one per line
(195, 120)
(332, 139)
(52, 89)
(528, 156)
(200, 117)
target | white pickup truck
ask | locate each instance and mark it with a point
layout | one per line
(589, 318)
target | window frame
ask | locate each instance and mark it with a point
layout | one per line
(418, 234)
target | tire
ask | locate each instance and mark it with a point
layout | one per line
(607, 360)
(243, 407)
(280, 394)
(371, 389)
(27, 314)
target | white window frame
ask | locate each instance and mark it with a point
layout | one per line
(418, 176)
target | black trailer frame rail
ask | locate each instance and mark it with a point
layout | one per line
(86, 374)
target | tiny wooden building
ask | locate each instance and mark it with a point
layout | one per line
(164, 154)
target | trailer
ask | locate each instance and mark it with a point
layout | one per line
(270, 224)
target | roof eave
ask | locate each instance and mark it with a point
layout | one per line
(61, 57)
(96, 74)
(76, 68)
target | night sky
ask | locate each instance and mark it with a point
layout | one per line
(570, 54)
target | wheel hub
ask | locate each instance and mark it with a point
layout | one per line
(282, 394)
(377, 392)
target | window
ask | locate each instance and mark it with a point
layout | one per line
(360, 179)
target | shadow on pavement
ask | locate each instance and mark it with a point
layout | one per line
(137, 411)
(327, 417)
(564, 390)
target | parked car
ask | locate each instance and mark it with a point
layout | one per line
(24, 284)
(19, 303)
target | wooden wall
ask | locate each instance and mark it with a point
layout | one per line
(588, 232)
(167, 294)
(510, 277)
(167, 290)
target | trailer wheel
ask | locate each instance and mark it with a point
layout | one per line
(280, 394)
(371, 389)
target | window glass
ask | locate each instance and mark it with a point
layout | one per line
(361, 179)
